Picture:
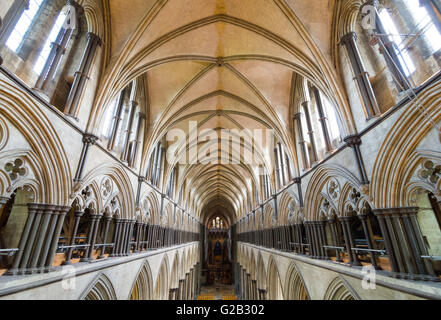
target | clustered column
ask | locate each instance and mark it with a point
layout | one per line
(405, 244)
(361, 76)
(82, 75)
(39, 240)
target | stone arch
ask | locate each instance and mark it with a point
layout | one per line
(162, 281)
(319, 181)
(94, 16)
(142, 287)
(169, 219)
(174, 276)
(100, 289)
(182, 264)
(288, 208)
(275, 288)
(261, 274)
(122, 187)
(395, 156)
(253, 268)
(295, 286)
(152, 208)
(43, 149)
(340, 290)
(269, 216)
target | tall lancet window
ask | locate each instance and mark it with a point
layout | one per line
(396, 39)
(24, 23)
(55, 32)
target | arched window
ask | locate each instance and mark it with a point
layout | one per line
(400, 48)
(55, 35)
(24, 23)
(423, 21)
(333, 123)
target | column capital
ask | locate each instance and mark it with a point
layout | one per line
(353, 140)
(350, 36)
(78, 7)
(92, 37)
(90, 139)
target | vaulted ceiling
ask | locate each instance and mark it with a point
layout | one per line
(227, 64)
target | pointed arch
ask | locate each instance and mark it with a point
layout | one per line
(100, 289)
(338, 290)
(142, 287)
(295, 286)
(275, 288)
(162, 281)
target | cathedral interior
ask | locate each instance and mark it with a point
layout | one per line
(220, 150)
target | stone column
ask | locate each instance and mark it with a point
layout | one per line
(405, 244)
(116, 236)
(138, 142)
(308, 236)
(82, 75)
(306, 106)
(94, 235)
(347, 241)
(132, 111)
(322, 119)
(46, 258)
(387, 241)
(58, 222)
(22, 254)
(302, 142)
(123, 238)
(354, 142)
(78, 215)
(347, 221)
(334, 233)
(88, 141)
(421, 247)
(117, 119)
(40, 238)
(107, 220)
(317, 242)
(322, 230)
(388, 49)
(361, 76)
(373, 256)
(137, 236)
(90, 234)
(58, 49)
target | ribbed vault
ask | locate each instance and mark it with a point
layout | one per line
(224, 65)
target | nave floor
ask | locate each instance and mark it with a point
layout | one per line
(217, 292)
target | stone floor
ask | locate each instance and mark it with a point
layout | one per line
(217, 292)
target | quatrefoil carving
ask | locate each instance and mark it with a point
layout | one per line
(16, 169)
(333, 189)
(430, 172)
(87, 193)
(355, 195)
(106, 188)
